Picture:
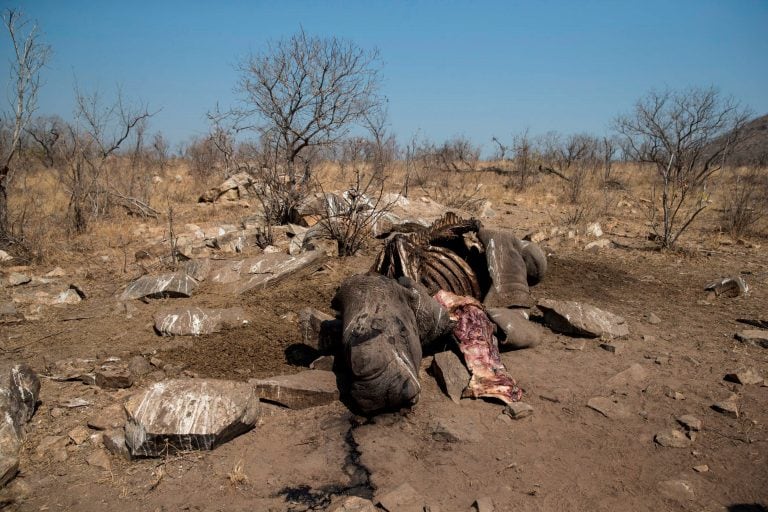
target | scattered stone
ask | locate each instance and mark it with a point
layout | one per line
(17, 279)
(727, 407)
(483, 505)
(518, 410)
(613, 347)
(56, 272)
(451, 430)
(597, 245)
(703, 468)
(353, 504)
(54, 447)
(139, 366)
(114, 377)
(557, 395)
(608, 407)
(114, 442)
(575, 344)
(595, 230)
(451, 374)
(690, 422)
(517, 330)
(4, 256)
(319, 330)
(537, 237)
(579, 319)
(178, 284)
(189, 414)
(728, 287)
(672, 439)
(653, 319)
(74, 403)
(403, 498)
(310, 388)
(111, 417)
(674, 395)
(745, 377)
(677, 490)
(324, 363)
(756, 337)
(79, 434)
(232, 189)
(100, 459)
(647, 338)
(632, 376)
(198, 321)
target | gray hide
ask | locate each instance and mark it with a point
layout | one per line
(384, 326)
(512, 265)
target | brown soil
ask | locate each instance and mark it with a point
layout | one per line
(565, 456)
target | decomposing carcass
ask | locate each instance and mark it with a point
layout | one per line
(455, 278)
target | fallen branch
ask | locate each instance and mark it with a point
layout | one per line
(135, 206)
(554, 171)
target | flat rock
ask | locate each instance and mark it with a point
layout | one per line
(198, 269)
(608, 408)
(518, 410)
(402, 498)
(680, 491)
(702, 468)
(189, 414)
(198, 321)
(518, 331)
(653, 319)
(451, 374)
(574, 318)
(79, 434)
(310, 388)
(633, 376)
(597, 245)
(672, 439)
(100, 459)
(614, 347)
(727, 407)
(756, 337)
(746, 377)
(690, 422)
(110, 417)
(178, 284)
(271, 268)
(139, 366)
(483, 505)
(575, 345)
(353, 504)
(54, 447)
(17, 279)
(113, 377)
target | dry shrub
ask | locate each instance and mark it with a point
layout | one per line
(745, 202)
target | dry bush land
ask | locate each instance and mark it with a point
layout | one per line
(565, 456)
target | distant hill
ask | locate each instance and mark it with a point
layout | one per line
(754, 150)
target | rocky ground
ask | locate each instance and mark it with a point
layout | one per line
(671, 416)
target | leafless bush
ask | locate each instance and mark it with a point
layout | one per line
(203, 158)
(685, 136)
(746, 202)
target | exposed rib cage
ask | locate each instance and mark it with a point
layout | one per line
(423, 257)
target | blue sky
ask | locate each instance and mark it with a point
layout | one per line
(471, 68)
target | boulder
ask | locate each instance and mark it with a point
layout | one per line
(310, 388)
(198, 321)
(319, 330)
(579, 319)
(672, 439)
(518, 331)
(19, 391)
(233, 188)
(178, 284)
(270, 268)
(188, 414)
(17, 279)
(451, 374)
(746, 377)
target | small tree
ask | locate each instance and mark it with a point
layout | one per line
(684, 136)
(301, 94)
(29, 57)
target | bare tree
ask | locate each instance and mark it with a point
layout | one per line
(301, 94)
(29, 57)
(523, 149)
(685, 136)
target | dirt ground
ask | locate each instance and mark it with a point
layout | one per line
(565, 456)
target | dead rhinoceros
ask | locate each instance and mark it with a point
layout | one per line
(385, 324)
(462, 257)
